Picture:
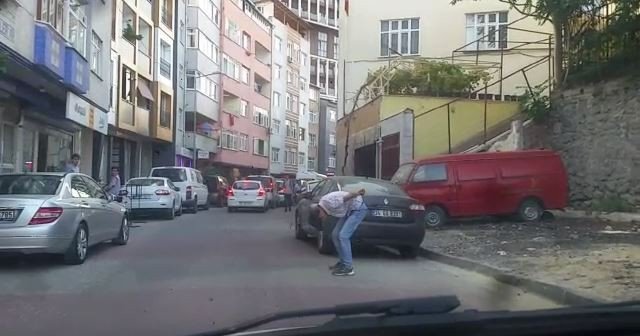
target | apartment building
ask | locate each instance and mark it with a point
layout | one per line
(314, 128)
(53, 84)
(323, 17)
(290, 84)
(244, 117)
(142, 91)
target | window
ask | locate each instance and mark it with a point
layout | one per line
(303, 134)
(332, 138)
(245, 74)
(145, 44)
(192, 38)
(244, 108)
(302, 158)
(96, 54)
(246, 41)
(166, 57)
(276, 99)
(488, 29)
(401, 36)
(232, 31)
(332, 162)
(77, 33)
(79, 188)
(208, 8)
(303, 58)
(303, 109)
(289, 77)
(165, 110)
(144, 96)
(313, 117)
(290, 157)
(322, 44)
(277, 70)
(259, 147)
(52, 12)
(260, 116)
(289, 105)
(311, 164)
(229, 140)
(292, 129)
(243, 142)
(230, 67)
(275, 154)
(197, 39)
(275, 126)
(402, 174)
(127, 84)
(332, 115)
(204, 84)
(313, 140)
(313, 94)
(303, 84)
(191, 79)
(431, 173)
(277, 43)
(335, 47)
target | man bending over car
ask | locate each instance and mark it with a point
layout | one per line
(350, 210)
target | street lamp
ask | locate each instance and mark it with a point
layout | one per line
(184, 103)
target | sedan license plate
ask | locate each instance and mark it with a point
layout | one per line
(245, 203)
(7, 215)
(387, 213)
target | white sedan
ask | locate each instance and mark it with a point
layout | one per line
(152, 195)
(247, 194)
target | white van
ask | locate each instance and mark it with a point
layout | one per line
(194, 192)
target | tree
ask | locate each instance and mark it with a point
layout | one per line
(431, 78)
(560, 14)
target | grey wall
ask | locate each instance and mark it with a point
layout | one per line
(325, 150)
(100, 15)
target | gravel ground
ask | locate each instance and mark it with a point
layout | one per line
(593, 258)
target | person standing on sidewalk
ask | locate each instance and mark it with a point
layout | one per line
(289, 189)
(350, 210)
(73, 166)
(114, 185)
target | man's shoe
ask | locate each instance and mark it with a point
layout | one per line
(336, 266)
(343, 271)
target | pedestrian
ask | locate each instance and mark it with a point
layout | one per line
(73, 166)
(350, 209)
(114, 185)
(288, 190)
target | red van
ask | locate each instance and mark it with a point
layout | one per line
(524, 183)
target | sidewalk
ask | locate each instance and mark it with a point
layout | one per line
(589, 257)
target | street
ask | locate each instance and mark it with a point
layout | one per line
(213, 269)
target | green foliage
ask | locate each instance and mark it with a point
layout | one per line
(129, 34)
(433, 79)
(612, 204)
(535, 103)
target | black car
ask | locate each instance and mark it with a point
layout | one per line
(394, 218)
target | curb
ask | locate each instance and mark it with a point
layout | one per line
(622, 217)
(555, 293)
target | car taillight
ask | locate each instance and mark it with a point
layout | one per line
(46, 215)
(189, 192)
(230, 192)
(417, 207)
(162, 192)
(261, 192)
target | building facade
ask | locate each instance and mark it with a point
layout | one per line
(143, 84)
(323, 17)
(290, 85)
(314, 128)
(245, 97)
(327, 141)
(55, 71)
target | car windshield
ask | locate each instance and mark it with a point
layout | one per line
(29, 184)
(173, 174)
(403, 173)
(148, 182)
(246, 185)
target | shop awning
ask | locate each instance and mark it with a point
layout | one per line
(144, 90)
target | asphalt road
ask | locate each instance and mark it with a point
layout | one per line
(211, 270)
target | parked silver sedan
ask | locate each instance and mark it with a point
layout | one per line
(58, 213)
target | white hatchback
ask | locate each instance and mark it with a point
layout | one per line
(247, 194)
(152, 195)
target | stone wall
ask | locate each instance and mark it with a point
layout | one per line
(596, 129)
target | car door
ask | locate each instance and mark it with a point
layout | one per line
(107, 218)
(434, 183)
(176, 194)
(89, 208)
(203, 190)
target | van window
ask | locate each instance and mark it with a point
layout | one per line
(199, 177)
(173, 174)
(431, 173)
(402, 174)
(476, 171)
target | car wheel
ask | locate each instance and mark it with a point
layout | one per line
(530, 210)
(123, 235)
(206, 206)
(76, 253)
(325, 245)
(171, 212)
(408, 252)
(195, 206)
(300, 234)
(434, 216)
(179, 210)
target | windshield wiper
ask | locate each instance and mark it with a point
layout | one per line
(417, 306)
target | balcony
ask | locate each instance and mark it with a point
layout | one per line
(128, 51)
(262, 85)
(202, 142)
(263, 55)
(202, 104)
(233, 104)
(49, 50)
(76, 71)
(133, 119)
